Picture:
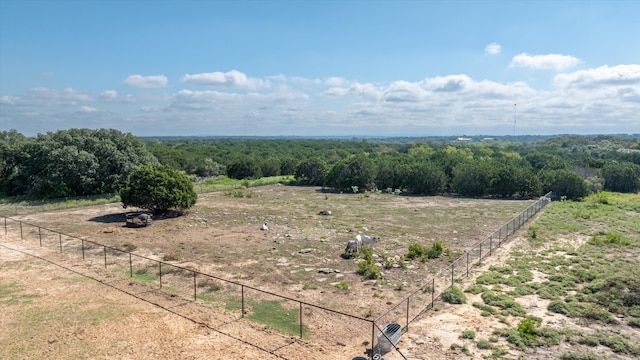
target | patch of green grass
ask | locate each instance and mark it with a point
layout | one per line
(483, 345)
(468, 334)
(579, 356)
(309, 287)
(342, 286)
(490, 310)
(504, 302)
(273, 314)
(10, 294)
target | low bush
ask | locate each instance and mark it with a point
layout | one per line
(454, 295)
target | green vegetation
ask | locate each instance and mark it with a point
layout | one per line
(571, 166)
(454, 295)
(366, 267)
(158, 188)
(10, 294)
(273, 314)
(468, 334)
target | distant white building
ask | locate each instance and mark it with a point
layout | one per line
(464, 139)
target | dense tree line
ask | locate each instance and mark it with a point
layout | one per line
(80, 161)
(68, 163)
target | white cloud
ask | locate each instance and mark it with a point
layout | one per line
(493, 49)
(67, 96)
(87, 109)
(450, 83)
(404, 91)
(109, 95)
(233, 78)
(146, 82)
(548, 62)
(602, 76)
(9, 100)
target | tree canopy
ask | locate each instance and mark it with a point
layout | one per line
(158, 188)
(73, 162)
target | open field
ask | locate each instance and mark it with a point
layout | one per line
(221, 236)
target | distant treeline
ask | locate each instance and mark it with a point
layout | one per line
(83, 162)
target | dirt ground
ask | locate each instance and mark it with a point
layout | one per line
(60, 307)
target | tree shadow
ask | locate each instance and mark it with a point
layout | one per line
(110, 218)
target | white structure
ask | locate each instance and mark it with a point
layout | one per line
(264, 227)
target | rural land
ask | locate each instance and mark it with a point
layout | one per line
(255, 267)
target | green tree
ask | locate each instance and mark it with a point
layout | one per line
(621, 177)
(564, 183)
(312, 171)
(77, 162)
(245, 168)
(158, 188)
(357, 170)
(425, 177)
(472, 178)
(13, 152)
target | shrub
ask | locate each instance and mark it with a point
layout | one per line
(559, 307)
(483, 344)
(454, 295)
(416, 251)
(468, 334)
(578, 356)
(437, 248)
(527, 327)
(342, 286)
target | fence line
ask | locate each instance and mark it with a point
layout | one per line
(400, 313)
(405, 311)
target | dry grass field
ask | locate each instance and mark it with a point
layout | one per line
(60, 311)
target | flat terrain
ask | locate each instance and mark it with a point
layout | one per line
(60, 307)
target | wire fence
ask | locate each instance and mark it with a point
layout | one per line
(327, 327)
(420, 301)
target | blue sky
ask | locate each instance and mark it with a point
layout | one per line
(320, 68)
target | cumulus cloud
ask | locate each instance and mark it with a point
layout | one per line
(404, 91)
(493, 49)
(547, 62)
(146, 82)
(450, 83)
(109, 95)
(87, 109)
(9, 100)
(233, 78)
(604, 75)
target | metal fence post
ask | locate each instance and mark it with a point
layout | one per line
(242, 290)
(40, 235)
(452, 267)
(300, 321)
(82, 249)
(373, 337)
(467, 263)
(60, 237)
(21, 237)
(433, 291)
(408, 313)
(195, 288)
(5, 226)
(105, 257)
(160, 273)
(130, 266)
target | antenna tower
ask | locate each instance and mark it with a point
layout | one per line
(514, 119)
